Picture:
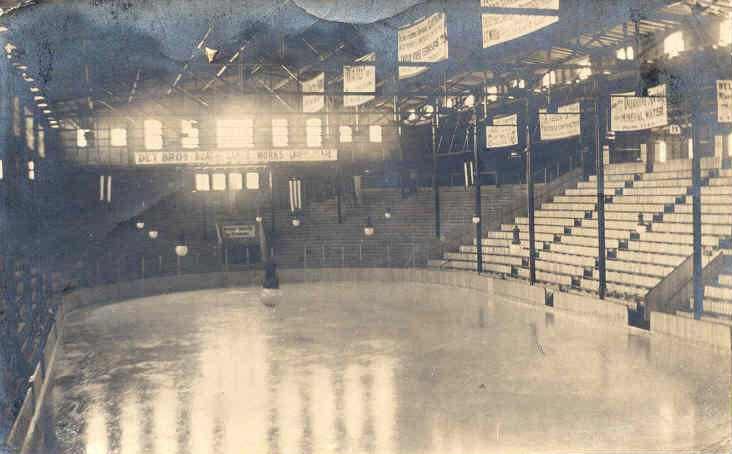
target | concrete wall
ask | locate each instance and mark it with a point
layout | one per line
(612, 312)
(698, 332)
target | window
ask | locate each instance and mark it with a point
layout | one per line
(203, 182)
(109, 188)
(81, 135)
(690, 147)
(41, 142)
(31, 170)
(375, 133)
(101, 188)
(218, 181)
(235, 133)
(491, 93)
(30, 137)
(549, 79)
(729, 146)
(2, 171)
(625, 53)
(118, 137)
(189, 134)
(16, 116)
(673, 44)
(279, 132)
(153, 134)
(586, 71)
(661, 151)
(346, 134)
(235, 182)
(518, 83)
(252, 180)
(725, 32)
(314, 132)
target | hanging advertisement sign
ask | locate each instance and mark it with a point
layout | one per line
(422, 42)
(636, 113)
(238, 231)
(724, 101)
(503, 132)
(562, 125)
(313, 103)
(234, 157)
(499, 28)
(359, 79)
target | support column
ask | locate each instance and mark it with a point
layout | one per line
(530, 192)
(476, 184)
(600, 150)
(435, 167)
(697, 216)
(338, 194)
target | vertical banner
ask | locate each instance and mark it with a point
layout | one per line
(313, 103)
(502, 27)
(724, 101)
(503, 132)
(562, 125)
(359, 79)
(425, 41)
(636, 113)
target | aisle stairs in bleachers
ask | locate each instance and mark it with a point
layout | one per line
(648, 230)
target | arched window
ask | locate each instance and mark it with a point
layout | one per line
(346, 134)
(673, 44)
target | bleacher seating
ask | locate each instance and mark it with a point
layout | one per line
(648, 230)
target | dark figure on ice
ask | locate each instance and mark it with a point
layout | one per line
(270, 276)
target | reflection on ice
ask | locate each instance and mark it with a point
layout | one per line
(390, 369)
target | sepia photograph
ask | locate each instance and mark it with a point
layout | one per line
(365, 226)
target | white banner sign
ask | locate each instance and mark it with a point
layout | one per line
(359, 79)
(724, 101)
(634, 113)
(561, 125)
(234, 157)
(499, 28)
(503, 133)
(423, 42)
(313, 103)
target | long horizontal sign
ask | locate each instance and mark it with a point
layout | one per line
(234, 157)
(724, 101)
(562, 125)
(499, 28)
(636, 113)
(422, 42)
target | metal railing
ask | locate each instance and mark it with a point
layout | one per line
(364, 255)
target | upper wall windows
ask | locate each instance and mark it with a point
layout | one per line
(118, 137)
(279, 132)
(81, 135)
(673, 44)
(153, 134)
(237, 133)
(375, 133)
(189, 134)
(314, 132)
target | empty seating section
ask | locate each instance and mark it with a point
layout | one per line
(648, 231)
(718, 297)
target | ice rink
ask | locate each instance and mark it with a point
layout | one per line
(376, 368)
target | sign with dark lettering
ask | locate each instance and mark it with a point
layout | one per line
(724, 101)
(423, 42)
(235, 157)
(636, 113)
